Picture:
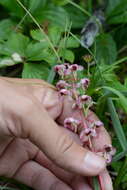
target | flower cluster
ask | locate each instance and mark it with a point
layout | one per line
(108, 153)
(71, 85)
(74, 87)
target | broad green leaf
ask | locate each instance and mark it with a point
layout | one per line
(122, 98)
(36, 52)
(70, 42)
(6, 28)
(53, 14)
(121, 18)
(34, 5)
(14, 8)
(16, 43)
(117, 125)
(54, 33)
(6, 62)
(118, 14)
(35, 70)
(120, 7)
(106, 49)
(112, 4)
(77, 17)
(68, 55)
(39, 36)
(40, 51)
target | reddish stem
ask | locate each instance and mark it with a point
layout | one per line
(100, 182)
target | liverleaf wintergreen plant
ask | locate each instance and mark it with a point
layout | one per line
(75, 87)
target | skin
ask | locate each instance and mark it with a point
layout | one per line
(34, 147)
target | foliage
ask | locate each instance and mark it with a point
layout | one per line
(35, 35)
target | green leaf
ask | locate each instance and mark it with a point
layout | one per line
(122, 98)
(38, 35)
(34, 5)
(119, 13)
(33, 70)
(70, 42)
(6, 62)
(77, 17)
(117, 125)
(54, 34)
(68, 55)
(60, 2)
(14, 8)
(112, 4)
(106, 49)
(36, 52)
(6, 28)
(16, 43)
(55, 15)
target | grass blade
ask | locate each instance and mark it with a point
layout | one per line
(119, 156)
(96, 183)
(117, 125)
(121, 173)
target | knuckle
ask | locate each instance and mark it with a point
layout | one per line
(64, 146)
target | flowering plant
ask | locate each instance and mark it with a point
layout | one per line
(75, 88)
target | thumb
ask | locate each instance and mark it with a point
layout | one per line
(58, 146)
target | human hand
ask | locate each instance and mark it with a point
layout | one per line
(33, 149)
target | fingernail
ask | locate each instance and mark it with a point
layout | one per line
(93, 163)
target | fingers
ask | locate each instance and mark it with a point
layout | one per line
(45, 93)
(37, 177)
(58, 146)
(75, 181)
(102, 138)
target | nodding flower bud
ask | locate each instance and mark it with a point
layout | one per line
(64, 92)
(86, 99)
(98, 124)
(60, 69)
(72, 124)
(85, 134)
(61, 84)
(85, 82)
(108, 153)
(75, 67)
(110, 149)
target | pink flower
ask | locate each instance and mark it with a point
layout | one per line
(62, 84)
(64, 92)
(76, 67)
(85, 134)
(86, 100)
(109, 152)
(110, 149)
(60, 69)
(98, 123)
(85, 82)
(71, 124)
